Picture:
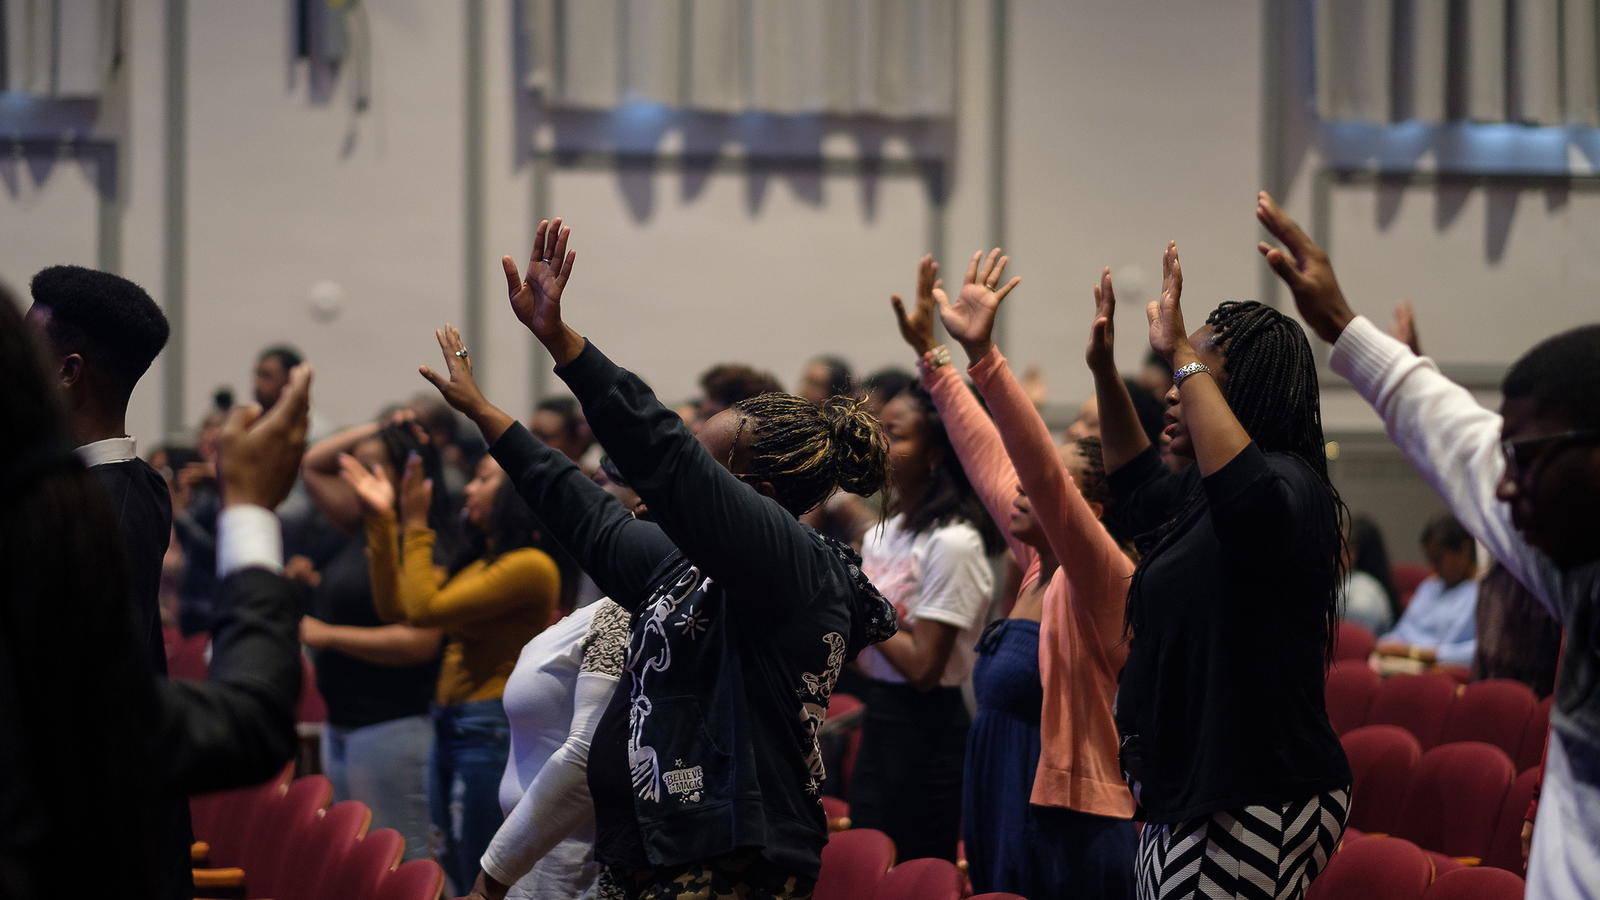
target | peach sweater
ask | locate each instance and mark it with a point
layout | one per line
(1081, 644)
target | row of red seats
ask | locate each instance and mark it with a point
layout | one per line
(1387, 868)
(1437, 710)
(1462, 801)
(859, 864)
(282, 840)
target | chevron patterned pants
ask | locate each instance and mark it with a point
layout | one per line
(1267, 852)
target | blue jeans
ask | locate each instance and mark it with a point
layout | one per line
(384, 766)
(470, 746)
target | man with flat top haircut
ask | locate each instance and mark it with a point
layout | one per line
(101, 333)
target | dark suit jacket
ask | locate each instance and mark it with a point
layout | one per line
(109, 819)
(142, 506)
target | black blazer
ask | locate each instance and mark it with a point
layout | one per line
(114, 801)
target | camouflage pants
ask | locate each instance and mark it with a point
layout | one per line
(737, 876)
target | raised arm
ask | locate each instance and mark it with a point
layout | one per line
(733, 533)
(1093, 561)
(618, 551)
(1451, 439)
(972, 433)
(1213, 429)
(330, 492)
(1122, 438)
(237, 727)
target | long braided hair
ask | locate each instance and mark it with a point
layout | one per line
(1272, 389)
(806, 450)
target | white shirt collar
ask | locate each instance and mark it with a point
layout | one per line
(110, 450)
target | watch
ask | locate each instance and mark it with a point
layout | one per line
(1188, 369)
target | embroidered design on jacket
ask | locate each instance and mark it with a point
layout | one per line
(814, 693)
(652, 652)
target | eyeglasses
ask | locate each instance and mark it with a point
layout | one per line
(1521, 456)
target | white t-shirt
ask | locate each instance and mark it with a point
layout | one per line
(941, 575)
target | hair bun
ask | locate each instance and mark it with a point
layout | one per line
(859, 449)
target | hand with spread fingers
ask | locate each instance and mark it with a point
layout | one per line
(970, 319)
(371, 486)
(260, 454)
(1101, 354)
(1168, 337)
(1305, 268)
(916, 324)
(536, 294)
(460, 389)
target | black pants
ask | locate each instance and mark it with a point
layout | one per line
(907, 781)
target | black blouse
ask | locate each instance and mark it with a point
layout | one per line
(1221, 704)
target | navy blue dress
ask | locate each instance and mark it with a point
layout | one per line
(1012, 845)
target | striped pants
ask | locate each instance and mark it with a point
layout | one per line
(1267, 852)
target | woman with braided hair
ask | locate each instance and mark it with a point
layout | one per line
(1232, 610)
(705, 769)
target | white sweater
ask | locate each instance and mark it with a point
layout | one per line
(1455, 444)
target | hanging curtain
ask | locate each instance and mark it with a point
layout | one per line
(58, 48)
(892, 58)
(1524, 61)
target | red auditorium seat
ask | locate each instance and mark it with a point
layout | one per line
(853, 862)
(223, 819)
(1530, 752)
(1407, 576)
(361, 872)
(1505, 851)
(1374, 869)
(1417, 703)
(271, 860)
(1476, 884)
(314, 852)
(1381, 760)
(921, 879)
(837, 812)
(1495, 711)
(1349, 693)
(844, 714)
(419, 879)
(1455, 797)
(1353, 642)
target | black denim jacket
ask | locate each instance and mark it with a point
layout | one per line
(743, 619)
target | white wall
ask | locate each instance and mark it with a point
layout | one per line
(1127, 123)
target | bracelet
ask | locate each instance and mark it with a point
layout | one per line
(1187, 369)
(938, 356)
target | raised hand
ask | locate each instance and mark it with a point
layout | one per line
(1304, 267)
(536, 295)
(458, 387)
(1168, 337)
(260, 453)
(416, 494)
(371, 486)
(916, 324)
(970, 319)
(1101, 355)
(1405, 326)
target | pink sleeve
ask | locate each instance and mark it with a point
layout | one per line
(1096, 567)
(980, 450)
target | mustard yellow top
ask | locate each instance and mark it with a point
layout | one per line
(487, 611)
